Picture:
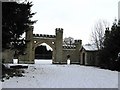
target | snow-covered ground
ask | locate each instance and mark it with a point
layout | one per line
(42, 75)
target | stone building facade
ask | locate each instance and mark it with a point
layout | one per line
(89, 55)
(60, 51)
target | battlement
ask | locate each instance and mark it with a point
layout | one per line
(44, 35)
(78, 41)
(69, 46)
(59, 30)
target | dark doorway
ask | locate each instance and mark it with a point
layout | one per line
(83, 58)
(41, 52)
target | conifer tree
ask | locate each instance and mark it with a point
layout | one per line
(16, 18)
(109, 53)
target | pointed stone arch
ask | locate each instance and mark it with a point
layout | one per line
(60, 51)
(49, 43)
(54, 41)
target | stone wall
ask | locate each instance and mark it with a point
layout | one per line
(72, 53)
(7, 56)
(60, 52)
(90, 57)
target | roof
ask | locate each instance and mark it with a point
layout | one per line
(89, 47)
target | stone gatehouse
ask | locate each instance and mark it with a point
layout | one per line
(60, 51)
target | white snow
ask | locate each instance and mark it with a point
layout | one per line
(8, 65)
(0, 85)
(48, 75)
(42, 61)
(90, 47)
(47, 46)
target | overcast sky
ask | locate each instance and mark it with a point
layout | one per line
(76, 17)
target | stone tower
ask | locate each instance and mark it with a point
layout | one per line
(78, 44)
(59, 44)
(29, 45)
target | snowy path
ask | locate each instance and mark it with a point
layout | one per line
(63, 76)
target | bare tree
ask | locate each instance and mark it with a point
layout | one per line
(68, 41)
(98, 33)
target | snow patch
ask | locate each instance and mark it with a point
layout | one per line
(42, 61)
(63, 76)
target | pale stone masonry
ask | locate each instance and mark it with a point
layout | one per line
(60, 51)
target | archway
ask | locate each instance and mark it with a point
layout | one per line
(34, 40)
(43, 54)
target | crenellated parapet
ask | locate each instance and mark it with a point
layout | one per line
(60, 49)
(78, 41)
(44, 36)
(59, 30)
(69, 46)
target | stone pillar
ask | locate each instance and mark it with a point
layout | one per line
(58, 45)
(53, 56)
(29, 46)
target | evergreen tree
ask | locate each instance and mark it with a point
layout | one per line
(16, 18)
(108, 54)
